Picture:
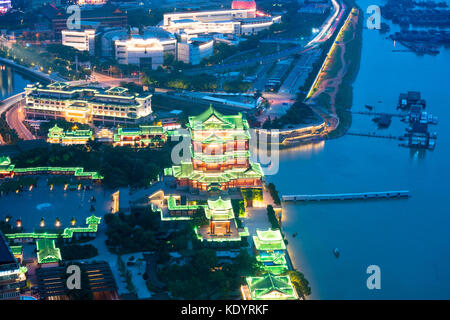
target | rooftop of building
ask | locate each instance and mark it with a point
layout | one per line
(270, 287)
(6, 255)
(211, 119)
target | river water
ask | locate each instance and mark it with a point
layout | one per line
(408, 239)
(11, 82)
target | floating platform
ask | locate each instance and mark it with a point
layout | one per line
(349, 196)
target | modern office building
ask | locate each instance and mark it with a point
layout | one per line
(110, 106)
(82, 39)
(194, 50)
(12, 278)
(219, 155)
(232, 21)
(146, 48)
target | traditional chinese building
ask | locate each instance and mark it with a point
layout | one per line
(6, 168)
(269, 287)
(143, 136)
(219, 154)
(271, 249)
(220, 216)
(75, 136)
(47, 252)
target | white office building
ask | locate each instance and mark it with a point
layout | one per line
(141, 51)
(234, 21)
(194, 50)
(82, 39)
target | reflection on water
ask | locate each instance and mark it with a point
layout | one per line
(304, 150)
(11, 82)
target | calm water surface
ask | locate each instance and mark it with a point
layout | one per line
(408, 239)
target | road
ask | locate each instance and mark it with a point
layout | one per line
(15, 118)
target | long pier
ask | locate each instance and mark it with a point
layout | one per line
(348, 196)
(373, 135)
(372, 113)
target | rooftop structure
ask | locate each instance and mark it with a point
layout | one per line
(269, 240)
(86, 104)
(75, 136)
(269, 287)
(219, 154)
(143, 136)
(47, 252)
(243, 4)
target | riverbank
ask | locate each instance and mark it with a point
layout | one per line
(331, 92)
(30, 72)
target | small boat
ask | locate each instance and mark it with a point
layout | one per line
(294, 234)
(336, 252)
(369, 107)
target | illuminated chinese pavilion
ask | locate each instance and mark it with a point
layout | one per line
(6, 168)
(269, 287)
(47, 252)
(143, 136)
(219, 154)
(220, 215)
(271, 250)
(75, 136)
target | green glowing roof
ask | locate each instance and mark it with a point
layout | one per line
(16, 250)
(91, 221)
(77, 171)
(57, 132)
(269, 240)
(47, 251)
(186, 171)
(172, 205)
(5, 164)
(271, 287)
(211, 119)
(219, 209)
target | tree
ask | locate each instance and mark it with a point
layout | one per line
(301, 284)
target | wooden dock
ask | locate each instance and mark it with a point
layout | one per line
(348, 196)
